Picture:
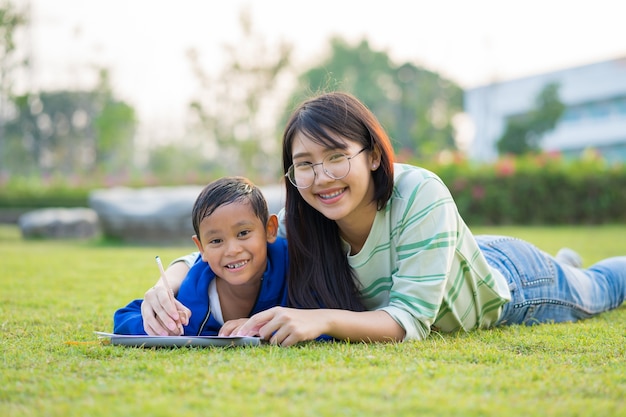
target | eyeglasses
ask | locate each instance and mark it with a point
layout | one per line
(336, 166)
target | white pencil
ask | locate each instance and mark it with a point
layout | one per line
(167, 286)
(164, 278)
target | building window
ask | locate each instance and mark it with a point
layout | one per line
(572, 114)
(619, 106)
(599, 109)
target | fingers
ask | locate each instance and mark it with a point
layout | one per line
(154, 327)
(151, 324)
(253, 325)
(165, 312)
(277, 325)
(184, 313)
(160, 316)
(231, 327)
(290, 340)
(282, 334)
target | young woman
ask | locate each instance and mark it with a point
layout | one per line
(379, 252)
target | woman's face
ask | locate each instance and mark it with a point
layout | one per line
(345, 200)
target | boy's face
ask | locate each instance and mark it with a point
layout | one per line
(233, 241)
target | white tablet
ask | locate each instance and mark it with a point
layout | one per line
(179, 341)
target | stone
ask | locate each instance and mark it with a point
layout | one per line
(156, 215)
(59, 223)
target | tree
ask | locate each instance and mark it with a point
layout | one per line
(523, 133)
(43, 135)
(235, 113)
(114, 126)
(69, 132)
(10, 21)
(414, 105)
(172, 163)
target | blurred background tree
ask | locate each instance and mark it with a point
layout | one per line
(114, 127)
(70, 132)
(236, 118)
(416, 106)
(523, 133)
(234, 114)
(10, 61)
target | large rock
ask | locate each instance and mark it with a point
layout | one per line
(156, 215)
(59, 223)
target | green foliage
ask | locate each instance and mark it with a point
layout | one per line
(42, 135)
(182, 164)
(11, 20)
(523, 133)
(33, 192)
(64, 132)
(58, 132)
(537, 189)
(50, 197)
(114, 128)
(55, 294)
(414, 105)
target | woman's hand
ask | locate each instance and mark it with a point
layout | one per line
(288, 326)
(231, 327)
(284, 326)
(160, 316)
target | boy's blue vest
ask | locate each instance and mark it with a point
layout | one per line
(194, 294)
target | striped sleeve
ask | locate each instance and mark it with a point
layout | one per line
(425, 240)
(421, 263)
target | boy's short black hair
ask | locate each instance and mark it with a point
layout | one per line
(227, 190)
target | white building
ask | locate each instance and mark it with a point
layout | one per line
(595, 115)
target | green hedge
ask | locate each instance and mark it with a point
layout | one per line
(20, 197)
(538, 191)
(543, 189)
(15, 202)
(40, 197)
(533, 198)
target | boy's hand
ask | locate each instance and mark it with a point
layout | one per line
(160, 316)
(231, 327)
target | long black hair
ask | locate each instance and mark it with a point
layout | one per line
(319, 273)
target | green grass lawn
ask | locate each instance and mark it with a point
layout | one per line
(56, 293)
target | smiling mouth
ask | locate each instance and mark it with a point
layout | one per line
(331, 195)
(236, 265)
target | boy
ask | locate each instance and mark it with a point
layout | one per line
(241, 268)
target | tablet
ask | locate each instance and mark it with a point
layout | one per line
(179, 341)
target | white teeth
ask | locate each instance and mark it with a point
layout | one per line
(237, 265)
(327, 196)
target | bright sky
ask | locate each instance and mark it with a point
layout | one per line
(143, 42)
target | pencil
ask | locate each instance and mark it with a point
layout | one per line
(167, 287)
(164, 278)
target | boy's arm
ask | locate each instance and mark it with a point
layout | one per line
(128, 320)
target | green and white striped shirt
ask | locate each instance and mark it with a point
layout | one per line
(422, 265)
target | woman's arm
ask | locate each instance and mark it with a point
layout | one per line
(287, 326)
(421, 258)
(160, 316)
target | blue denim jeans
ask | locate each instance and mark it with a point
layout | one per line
(545, 290)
